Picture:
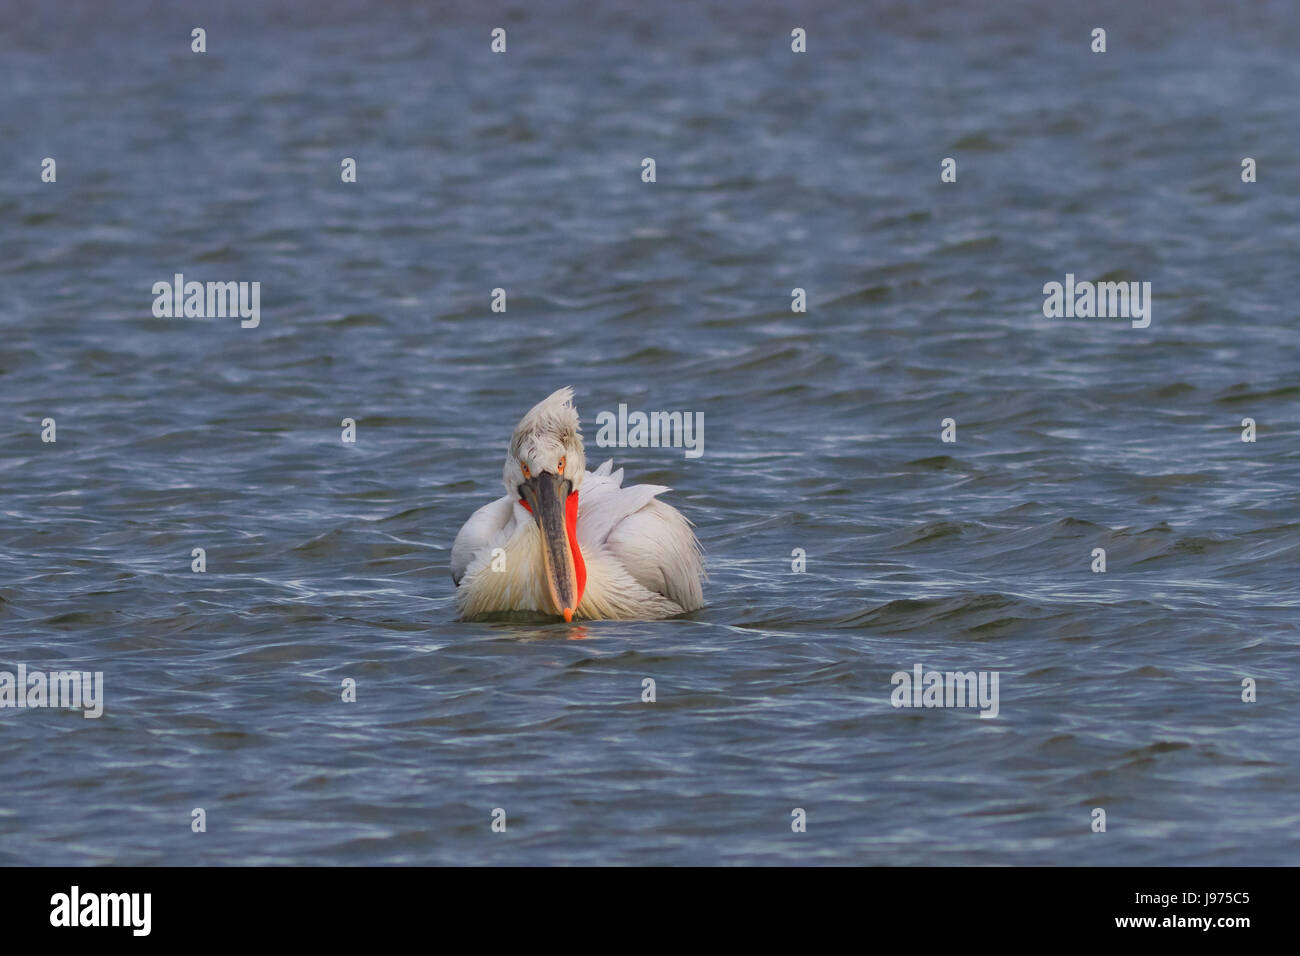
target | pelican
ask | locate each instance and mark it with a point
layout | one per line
(569, 542)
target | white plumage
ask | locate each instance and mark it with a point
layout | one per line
(641, 558)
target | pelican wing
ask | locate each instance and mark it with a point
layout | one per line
(652, 541)
(483, 527)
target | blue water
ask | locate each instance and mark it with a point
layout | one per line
(327, 561)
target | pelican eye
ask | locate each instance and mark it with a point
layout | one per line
(559, 469)
(527, 473)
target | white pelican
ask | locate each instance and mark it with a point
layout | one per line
(620, 554)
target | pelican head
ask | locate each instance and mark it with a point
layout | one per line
(544, 470)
